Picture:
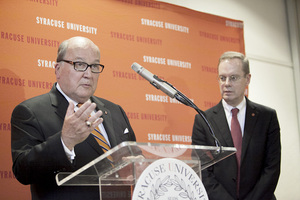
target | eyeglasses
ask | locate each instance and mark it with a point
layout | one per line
(232, 78)
(82, 66)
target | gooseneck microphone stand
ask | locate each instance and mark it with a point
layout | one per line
(186, 101)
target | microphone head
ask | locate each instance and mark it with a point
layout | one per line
(136, 67)
(156, 82)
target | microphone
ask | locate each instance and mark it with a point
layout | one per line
(154, 80)
(172, 92)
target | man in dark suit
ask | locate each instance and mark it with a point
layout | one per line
(50, 134)
(255, 176)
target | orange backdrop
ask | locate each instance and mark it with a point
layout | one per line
(181, 46)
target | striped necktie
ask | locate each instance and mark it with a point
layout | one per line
(100, 138)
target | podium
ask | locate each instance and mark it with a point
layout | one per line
(130, 159)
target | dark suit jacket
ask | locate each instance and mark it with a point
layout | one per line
(261, 151)
(37, 150)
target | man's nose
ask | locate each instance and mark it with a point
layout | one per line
(88, 72)
(227, 81)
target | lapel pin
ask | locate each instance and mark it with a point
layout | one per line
(253, 114)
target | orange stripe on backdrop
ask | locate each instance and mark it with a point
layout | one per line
(182, 46)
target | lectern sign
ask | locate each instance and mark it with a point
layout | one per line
(169, 179)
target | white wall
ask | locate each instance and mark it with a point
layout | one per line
(274, 65)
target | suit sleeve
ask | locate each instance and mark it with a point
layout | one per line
(266, 185)
(201, 136)
(36, 156)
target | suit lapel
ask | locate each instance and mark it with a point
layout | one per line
(220, 122)
(222, 131)
(107, 121)
(250, 120)
(59, 102)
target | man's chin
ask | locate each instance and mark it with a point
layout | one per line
(85, 95)
(228, 99)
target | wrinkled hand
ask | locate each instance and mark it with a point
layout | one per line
(75, 129)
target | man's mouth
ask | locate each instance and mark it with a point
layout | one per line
(86, 85)
(227, 92)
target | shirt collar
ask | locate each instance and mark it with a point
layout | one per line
(228, 107)
(68, 98)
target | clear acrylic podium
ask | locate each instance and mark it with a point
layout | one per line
(130, 159)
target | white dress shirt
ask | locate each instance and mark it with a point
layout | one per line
(241, 114)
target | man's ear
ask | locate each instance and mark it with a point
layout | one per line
(248, 77)
(57, 70)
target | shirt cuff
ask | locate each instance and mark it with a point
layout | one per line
(70, 154)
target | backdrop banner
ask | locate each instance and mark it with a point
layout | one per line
(179, 45)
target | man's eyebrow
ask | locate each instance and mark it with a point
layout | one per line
(82, 60)
(78, 58)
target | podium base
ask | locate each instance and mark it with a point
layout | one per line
(116, 192)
